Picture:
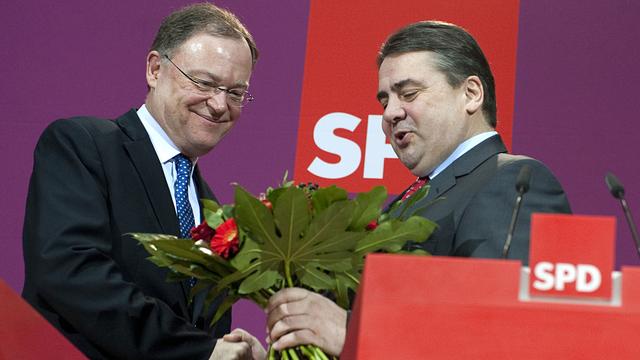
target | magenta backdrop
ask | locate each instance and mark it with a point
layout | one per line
(574, 110)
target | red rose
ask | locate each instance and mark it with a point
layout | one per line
(202, 232)
(225, 242)
(372, 225)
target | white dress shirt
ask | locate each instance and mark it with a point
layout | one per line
(461, 150)
(166, 151)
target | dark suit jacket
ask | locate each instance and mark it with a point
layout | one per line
(94, 181)
(472, 201)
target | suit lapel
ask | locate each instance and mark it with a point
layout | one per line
(203, 190)
(145, 160)
(446, 180)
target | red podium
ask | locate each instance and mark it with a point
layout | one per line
(24, 334)
(412, 307)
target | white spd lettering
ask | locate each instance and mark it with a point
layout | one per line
(587, 277)
(375, 152)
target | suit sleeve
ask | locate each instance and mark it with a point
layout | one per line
(484, 225)
(69, 270)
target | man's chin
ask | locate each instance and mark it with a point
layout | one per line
(200, 149)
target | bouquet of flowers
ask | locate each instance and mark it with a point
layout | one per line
(291, 236)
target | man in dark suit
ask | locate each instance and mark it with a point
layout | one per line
(438, 95)
(94, 181)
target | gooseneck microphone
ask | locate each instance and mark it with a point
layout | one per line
(617, 190)
(522, 186)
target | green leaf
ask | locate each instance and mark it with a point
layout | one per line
(326, 225)
(345, 282)
(313, 276)
(180, 254)
(292, 215)
(275, 194)
(236, 277)
(213, 218)
(255, 217)
(210, 205)
(393, 234)
(249, 252)
(324, 197)
(413, 199)
(225, 306)
(228, 211)
(258, 281)
(368, 207)
(334, 249)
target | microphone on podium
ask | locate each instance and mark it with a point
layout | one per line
(522, 186)
(617, 190)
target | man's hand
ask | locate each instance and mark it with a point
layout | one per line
(296, 317)
(238, 345)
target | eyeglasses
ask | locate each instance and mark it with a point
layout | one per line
(235, 97)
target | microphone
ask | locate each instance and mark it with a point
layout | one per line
(617, 190)
(522, 186)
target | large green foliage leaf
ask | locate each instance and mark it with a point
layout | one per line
(258, 281)
(368, 207)
(315, 276)
(292, 215)
(391, 235)
(324, 197)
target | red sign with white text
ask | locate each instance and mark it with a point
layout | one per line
(340, 140)
(571, 255)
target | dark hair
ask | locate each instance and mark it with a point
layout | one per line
(206, 18)
(459, 56)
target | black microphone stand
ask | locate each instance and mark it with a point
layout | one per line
(617, 190)
(522, 186)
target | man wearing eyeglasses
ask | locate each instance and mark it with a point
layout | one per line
(94, 181)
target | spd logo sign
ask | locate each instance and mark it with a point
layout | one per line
(571, 255)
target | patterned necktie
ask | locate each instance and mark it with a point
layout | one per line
(180, 191)
(181, 186)
(417, 185)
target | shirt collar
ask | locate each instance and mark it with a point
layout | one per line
(464, 147)
(165, 148)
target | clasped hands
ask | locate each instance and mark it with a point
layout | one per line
(295, 317)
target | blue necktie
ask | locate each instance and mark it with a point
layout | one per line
(181, 186)
(184, 211)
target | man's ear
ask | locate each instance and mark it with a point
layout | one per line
(153, 68)
(474, 94)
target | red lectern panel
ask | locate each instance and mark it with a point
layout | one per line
(24, 334)
(411, 307)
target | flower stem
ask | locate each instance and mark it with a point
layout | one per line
(307, 352)
(319, 353)
(292, 354)
(287, 273)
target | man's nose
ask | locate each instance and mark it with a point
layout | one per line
(217, 101)
(394, 111)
